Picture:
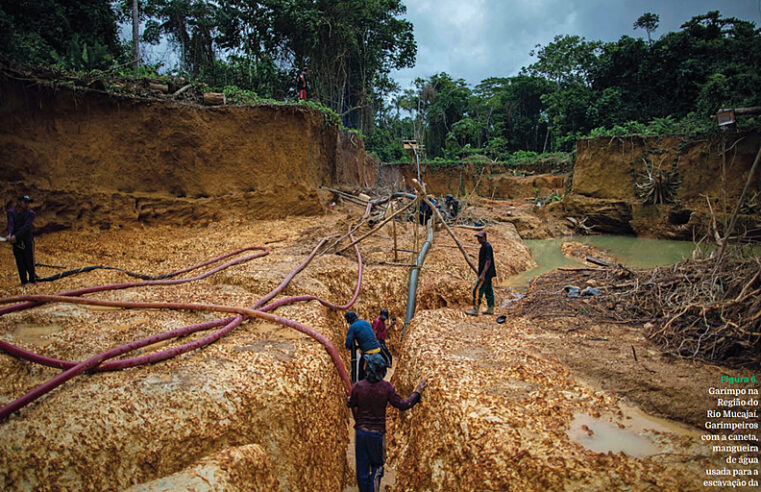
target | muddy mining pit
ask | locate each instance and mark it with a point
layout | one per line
(264, 407)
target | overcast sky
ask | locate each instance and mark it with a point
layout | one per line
(477, 39)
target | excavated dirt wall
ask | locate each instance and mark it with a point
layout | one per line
(607, 170)
(486, 181)
(93, 159)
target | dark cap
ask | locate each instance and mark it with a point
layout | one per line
(384, 313)
(481, 234)
(24, 198)
(350, 317)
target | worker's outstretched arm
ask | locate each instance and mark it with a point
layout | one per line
(396, 401)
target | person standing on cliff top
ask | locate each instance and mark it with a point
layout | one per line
(379, 328)
(486, 272)
(21, 236)
(301, 84)
(360, 335)
(368, 401)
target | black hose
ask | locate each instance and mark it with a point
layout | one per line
(86, 269)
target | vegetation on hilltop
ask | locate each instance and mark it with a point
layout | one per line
(253, 52)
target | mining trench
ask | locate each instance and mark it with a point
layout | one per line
(508, 405)
(551, 399)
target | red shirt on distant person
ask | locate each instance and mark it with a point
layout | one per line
(379, 328)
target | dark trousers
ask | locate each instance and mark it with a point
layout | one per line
(486, 289)
(370, 454)
(357, 365)
(25, 262)
(385, 352)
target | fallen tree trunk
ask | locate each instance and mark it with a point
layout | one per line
(214, 99)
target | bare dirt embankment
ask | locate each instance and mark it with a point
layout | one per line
(95, 160)
(481, 179)
(611, 174)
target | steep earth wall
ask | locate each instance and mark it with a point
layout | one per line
(607, 171)
(486, 180)
(93, 159)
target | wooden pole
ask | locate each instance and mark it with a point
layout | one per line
(451, 233)
(733, 220)
(421, 190)
(377, 228)
(393, 225)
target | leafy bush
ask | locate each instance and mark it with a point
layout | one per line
(81, 57)
(659, 127)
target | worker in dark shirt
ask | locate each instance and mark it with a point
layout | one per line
(368, 401)
(486, 272)
(379, 328)
(21, 236)
(453, 206)
(360, 336)
(425, 213)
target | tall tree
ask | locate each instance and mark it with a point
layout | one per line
(349, 46)
(135, 35)
(190, 24)
(649, 22)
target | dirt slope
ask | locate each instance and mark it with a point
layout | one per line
(91, 159)
(607, 171)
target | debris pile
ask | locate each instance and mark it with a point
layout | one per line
(707, 309)
(696, 308)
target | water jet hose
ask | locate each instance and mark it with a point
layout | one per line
(159, 356)
(262, 251)
(92, 363)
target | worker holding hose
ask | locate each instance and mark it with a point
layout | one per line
(368, 401)
(486, 272)
(21, 236)
(360, 336)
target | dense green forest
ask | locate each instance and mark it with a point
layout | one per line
(575, 88)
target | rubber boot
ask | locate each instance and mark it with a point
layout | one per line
(472, 312)
(489, 310)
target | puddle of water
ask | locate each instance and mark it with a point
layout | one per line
(632, 252)
(639, 421)
(36, 334)
(601, 437)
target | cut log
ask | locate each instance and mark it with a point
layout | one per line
(214, 98)
(182, 89)
(158, 87)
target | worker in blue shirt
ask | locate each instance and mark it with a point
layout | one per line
(360, 336)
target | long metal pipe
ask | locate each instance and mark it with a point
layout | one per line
(414, 274)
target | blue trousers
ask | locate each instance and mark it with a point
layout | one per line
(370, 454)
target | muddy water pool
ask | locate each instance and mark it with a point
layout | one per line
(632, 252)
